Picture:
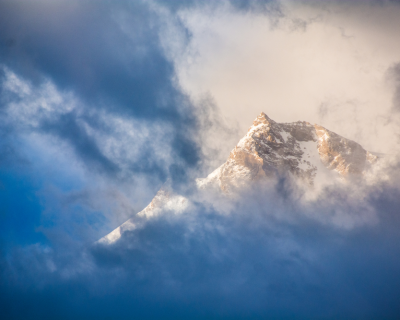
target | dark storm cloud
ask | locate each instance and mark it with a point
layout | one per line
(110, 57)
(67, 128)
(85, 84)
(81, 46)
(264, 260)
(243, 5)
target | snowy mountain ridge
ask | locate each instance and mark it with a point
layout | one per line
(305, 151)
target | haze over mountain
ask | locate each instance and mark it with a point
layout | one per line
(307, 153)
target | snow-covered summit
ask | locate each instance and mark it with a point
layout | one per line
(305, 151)
(300, 148)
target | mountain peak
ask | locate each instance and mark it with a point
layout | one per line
(262, 118)
(299, 149)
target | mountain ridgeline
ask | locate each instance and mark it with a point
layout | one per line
(304, 151)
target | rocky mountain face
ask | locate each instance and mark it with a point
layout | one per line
(269, 149)
(300, 148)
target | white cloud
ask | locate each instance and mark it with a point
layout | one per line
(31, 105)
(322, 63)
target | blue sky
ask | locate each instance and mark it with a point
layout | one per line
(101, 103)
